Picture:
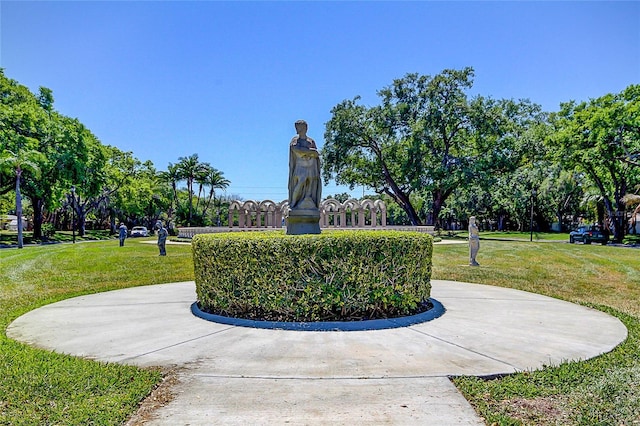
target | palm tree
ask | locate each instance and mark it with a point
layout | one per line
(26, 161)
(201, 180)
(172, 177)
(215, 180)
(190, 167)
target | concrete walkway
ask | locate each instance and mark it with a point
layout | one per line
(238, 375)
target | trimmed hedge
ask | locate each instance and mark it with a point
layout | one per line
(336, 275)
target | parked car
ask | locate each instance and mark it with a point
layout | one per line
(588, 234)
(139, 231)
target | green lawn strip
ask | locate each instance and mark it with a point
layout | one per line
(525, 236)
(39, 387)
(11, 237)
(511, 236)
(601, 391)
(604, 390)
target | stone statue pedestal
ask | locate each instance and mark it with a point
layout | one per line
(303, 221)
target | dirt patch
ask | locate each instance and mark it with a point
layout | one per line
(536, 411)
(160, 396)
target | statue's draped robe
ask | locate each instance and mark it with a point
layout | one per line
(305, 188)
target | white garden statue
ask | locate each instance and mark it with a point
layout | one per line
(474, 241)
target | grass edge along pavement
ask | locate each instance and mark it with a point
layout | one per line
(601, 391)
(40, 387)
(580, 393)
(604, 276)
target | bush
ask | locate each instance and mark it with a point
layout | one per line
(339, 275)
(631, 239)
(48, 230)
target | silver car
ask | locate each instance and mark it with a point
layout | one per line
(139, 231)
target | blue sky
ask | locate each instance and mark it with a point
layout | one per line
(227, 80)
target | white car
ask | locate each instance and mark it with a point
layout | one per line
(139, 231)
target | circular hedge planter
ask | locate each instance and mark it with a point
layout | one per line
(333, 276)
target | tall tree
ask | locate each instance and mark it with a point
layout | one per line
(201, 179)
(595, 137)
(24, 125)
(64, 143)
(26, 161)
(214, 180)
(29, 122)
(142, 197)
(172, 177)
(190, 168)
(21, 120)
(426, 135)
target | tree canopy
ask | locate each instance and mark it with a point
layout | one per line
(107, 183)
(598, 138)
(426, 136)
(436, 153)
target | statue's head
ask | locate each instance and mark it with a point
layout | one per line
(159, 224)
(301, 125)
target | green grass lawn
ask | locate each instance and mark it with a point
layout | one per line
(525, 236)
(11, 237)
(512, 235)
(38, 387)
(601, 391)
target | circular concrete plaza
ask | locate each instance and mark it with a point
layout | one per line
(240, 375)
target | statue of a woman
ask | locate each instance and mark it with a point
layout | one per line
(305, 187)
(162, 238)
(474, 241)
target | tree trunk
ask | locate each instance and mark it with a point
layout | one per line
(80, 218)
(616, 215)
(112, 222)
(559, 217)
(600, 208)
(190, 189)
(403, 201)
(80, 215)
(19, 207)
(439, 197)
(394, 190)
(38, 207)
(208, 203)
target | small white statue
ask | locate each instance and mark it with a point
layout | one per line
(474, 241)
